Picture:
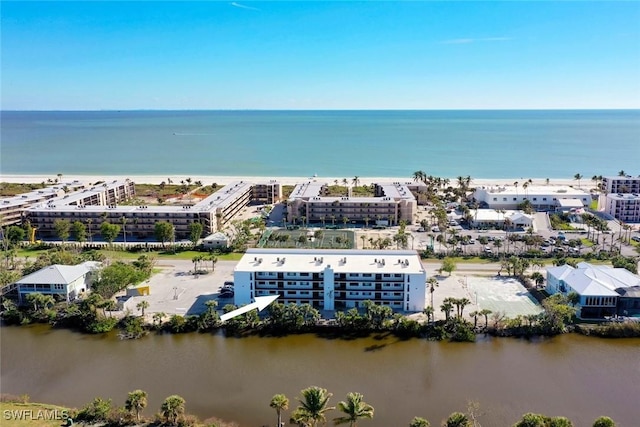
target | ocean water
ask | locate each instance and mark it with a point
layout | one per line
(482, 144)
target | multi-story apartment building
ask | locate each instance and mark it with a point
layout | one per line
(266, 192)
(11, 208)
(542, 197)
(392, 203)
(624, 207)
(332, 279)
(100, 203)
(621, 184)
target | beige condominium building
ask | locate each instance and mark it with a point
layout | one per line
(100, 203)
(332, 279)
(392, 203)
(11, 208)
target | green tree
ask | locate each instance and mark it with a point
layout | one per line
(419, 422)
(313, 406)
(95, 411)
(62, 227)
(14, 235)
(172, 408)
(79, 231)
(448, 265)
(604, 422)
(457, 419)
(280, 403)
(136, 402)
(142, 305)
(354, 409)
(195, 232)
(164, 232)
(109, 231)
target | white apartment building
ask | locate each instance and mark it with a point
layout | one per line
(392, 203)
(624, 207)
(542, 197)
(332, 279)
(621, 184)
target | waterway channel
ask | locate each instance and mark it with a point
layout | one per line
(231, 378)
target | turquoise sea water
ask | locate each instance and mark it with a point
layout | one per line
(483, 144)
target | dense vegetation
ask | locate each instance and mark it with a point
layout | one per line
(313, 410)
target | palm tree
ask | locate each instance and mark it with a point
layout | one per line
(354, 408)
(355, 181)
(345, 220)
(622, 173)
(172, 408)
(419, 422)
(142, 305)
(280, 403)
(136, 402)
(313, 405)
(123, 220)
(433, 284)
(457, 419)
(419, 176)
(485, 312)
(577, 177)
(89, 222)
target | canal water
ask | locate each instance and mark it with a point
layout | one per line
(235, 378)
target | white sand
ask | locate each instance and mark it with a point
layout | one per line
(206, 180)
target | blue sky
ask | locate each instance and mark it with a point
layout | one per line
(320, 55)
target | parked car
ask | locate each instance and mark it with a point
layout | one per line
(636, 239)
(226, 293)
(435, 229)
(228, 284)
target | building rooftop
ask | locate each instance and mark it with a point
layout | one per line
(596, 280)
(223, 197)
(340, 260)
(51, 191)
(59, 274)
(560, 190)
(623, 196)
(494, 215)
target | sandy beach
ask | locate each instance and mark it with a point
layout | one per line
(287, 180)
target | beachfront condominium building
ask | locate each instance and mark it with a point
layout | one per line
(332, 279)
(541, 197)
(602, 290)
(391, 203)
(621, 184)
(624, 207)
(11, 208)
(100, 203)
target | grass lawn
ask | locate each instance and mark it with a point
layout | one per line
(33, 414)
(586, 242)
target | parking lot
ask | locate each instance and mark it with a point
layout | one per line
(176, 290)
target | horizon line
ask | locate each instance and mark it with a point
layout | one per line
(317, 109)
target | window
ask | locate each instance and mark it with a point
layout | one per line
(504, 199)
(58, 287)
(495, 199)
